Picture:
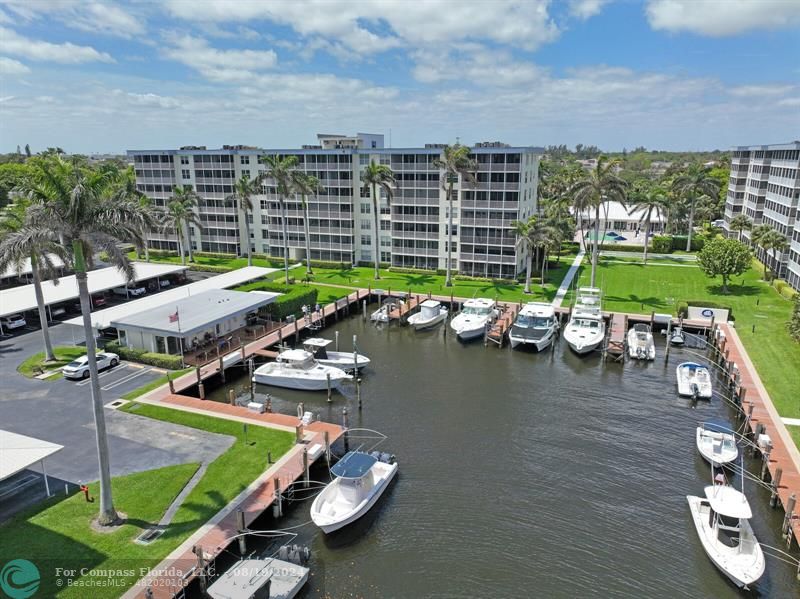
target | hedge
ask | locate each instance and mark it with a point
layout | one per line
(417, 271)
(167, 361)
(372, 264)
(486, 280)
(330, 265)
(208, 268)
(289, 303)
(218, 255)
(662, 244)
(620, 248)
(682, 307)
(679, 243)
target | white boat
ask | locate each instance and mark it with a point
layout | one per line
(270, 577)
(340, 359)
(694, 380)
(297, 369)
(430, 314)
(475, 315)
(586, 329)
(716, 444)
(360, 480)
(640, 342)
(676, 336)
(387, 305)
(721, 520)
(536, 325)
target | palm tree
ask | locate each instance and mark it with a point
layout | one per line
(282, 171)
(378, 177)
(695, 182)
(306, 185)
(126, 179)
(84, 209)
(177, 216)
(776, 242)
(187, 198)
(598, 186)
(741, 222)
(757, 236)
(455, 161)
(521, 229)
(243, 191)
(648, 201)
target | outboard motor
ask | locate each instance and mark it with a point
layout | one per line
(695, 390)
(295, 554)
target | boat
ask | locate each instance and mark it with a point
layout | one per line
(268, 577)
(360, 480)
(676, 337)
(430, 314)
(340, 359)
(387, 305)
(717, 444)
(722, 523)
(586, 329)
(475, 315)
(640, 342)
(297, 369)
(694, 380)
(536, 325)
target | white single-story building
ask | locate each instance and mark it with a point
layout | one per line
(614, 217)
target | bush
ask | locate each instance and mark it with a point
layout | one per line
(661, 244)
(417, 271)
(290, 303)
(679, 242)
(208, 267)
(682, 307)
(620, 248)
(167, 361)
(486, 280)
(215, 255)
(330, 265)
(372, 264)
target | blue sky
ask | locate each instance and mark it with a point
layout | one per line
(94, 76)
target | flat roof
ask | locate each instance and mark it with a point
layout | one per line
(102, 318)
(334, 151)
(20, 299)
(195, 313)
(18, 452)
(25, 267)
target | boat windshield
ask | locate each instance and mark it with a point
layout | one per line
(476, 310)
(587, 324)
(532, 322)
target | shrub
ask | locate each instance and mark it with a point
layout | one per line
(662, 244)
(290, 302)
(682, 307)
(216, 255)
(780, 285)
(417, 271)
(167, 361)
(372, 264)
(486, 280)
(620, 248)
(331, 265)
(208, 267)
(679, 242)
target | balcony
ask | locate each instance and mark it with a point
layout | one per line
(415, 235)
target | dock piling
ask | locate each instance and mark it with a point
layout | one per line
(336, 340)
(364, 308)
(776, 483)
(231, 397)
(171, 383)
(786, 529)
(327, 436)
(328, 379)
(242, 529)
(306, 477)
(277, 509)
(201, 388)
(250, 379)
(344, 426)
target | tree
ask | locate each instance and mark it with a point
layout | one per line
(724, 258)
(179, 215)
(455, 161)
(306, 185)
(87, 212)
(243, 191)
(598, 186)
(758, 235)
(647, 200)
(282, 172)
(377, 178)
(775, 242)
(11, 175)
(794, 322)
(125, 179)
(695, 182)
(741, 222)
(28, 150)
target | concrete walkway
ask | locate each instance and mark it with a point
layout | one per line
(676, 257)
(564, 287)
(791, 421)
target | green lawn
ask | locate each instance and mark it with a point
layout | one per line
(155, 384)
(57, 533)
(642, 289)
(326, 295)
(35, 365)
(229, 263)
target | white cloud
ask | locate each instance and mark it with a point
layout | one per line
(96, 17)
(67, 53)
(473, 63)
(214, 63)
(9, 66)
(745, 91)
(147, 99)
(789, 102)
(585, 9)
(718, 18)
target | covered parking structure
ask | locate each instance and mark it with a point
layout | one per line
(25, 270)
(19, 452)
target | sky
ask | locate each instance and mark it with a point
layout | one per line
(98, 77)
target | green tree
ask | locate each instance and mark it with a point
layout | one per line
(758, 235)
(307, 185)
(693, 183)
(794, 322)
(377, 178)
(179, 215)
(282, 171)
(724, 258)
(648, 201)
(242, 198)
(740, 223)
(776, 243)
(455, 161)
(11, 175)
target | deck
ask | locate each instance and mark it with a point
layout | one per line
(617, 330)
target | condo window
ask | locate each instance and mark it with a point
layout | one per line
(186, 174)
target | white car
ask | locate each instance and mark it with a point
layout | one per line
(79, 369)
(13, 321)
(129, 291)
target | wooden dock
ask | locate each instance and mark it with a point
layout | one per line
(497, 332)
(404, 308)
(615, 341)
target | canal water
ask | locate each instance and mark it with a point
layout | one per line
(523, 475)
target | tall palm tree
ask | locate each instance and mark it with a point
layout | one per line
(282, 170)
(693, 183)
(454, 161)
(176, 216)
(758, 235)
(85, 209)
(242, 197)
(741, 222)
(776, 242)
(188, 199)
(378, 177)
(648, 201)
(127, 186)
(306, 185)
(598, 186)
(521, 229)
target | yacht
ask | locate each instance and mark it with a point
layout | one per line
(475, 315)
(640, 342)
(536, 325)
(717, 444)
(297, 369)
(694, 380)
(340, 359)
(430, 314)
(361, 478)
(586, 329)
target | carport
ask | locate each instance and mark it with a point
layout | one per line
(19, 452)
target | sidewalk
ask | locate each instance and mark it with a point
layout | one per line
(564, 287)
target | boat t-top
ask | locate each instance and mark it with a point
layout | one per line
(360, 480)
(297, 369)
(386, 307)
(536, 325)
(340, 359)
(474, 316)
(641, 345)
(717, 444)
(694, 380)
(430, 314)
(586, 329)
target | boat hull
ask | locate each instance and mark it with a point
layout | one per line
(686, 386)
(344, 360)
(421, 325)
(471, 333)
(308, 384)
(705, 448)
(540, 344)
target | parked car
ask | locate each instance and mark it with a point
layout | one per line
(129, 291)
(97, 301)
(13, 321)
(79, 369)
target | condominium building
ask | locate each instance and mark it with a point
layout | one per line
(764, 184)
(412, 229)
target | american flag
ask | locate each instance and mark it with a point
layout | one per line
(174, 317)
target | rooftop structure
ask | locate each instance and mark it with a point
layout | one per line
(19, 452)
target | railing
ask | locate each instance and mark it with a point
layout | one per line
(207, 350)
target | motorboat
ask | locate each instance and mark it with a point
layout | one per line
(430, 314)
(694, 380)
(267, 577)
(640, 342)
(536, 325)
(722, 523)
(386, 307)
(340, 359)
(360, 479)
(717, 444)
(586, 329)
(297, 369)
(676, 336)
(475, 315)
